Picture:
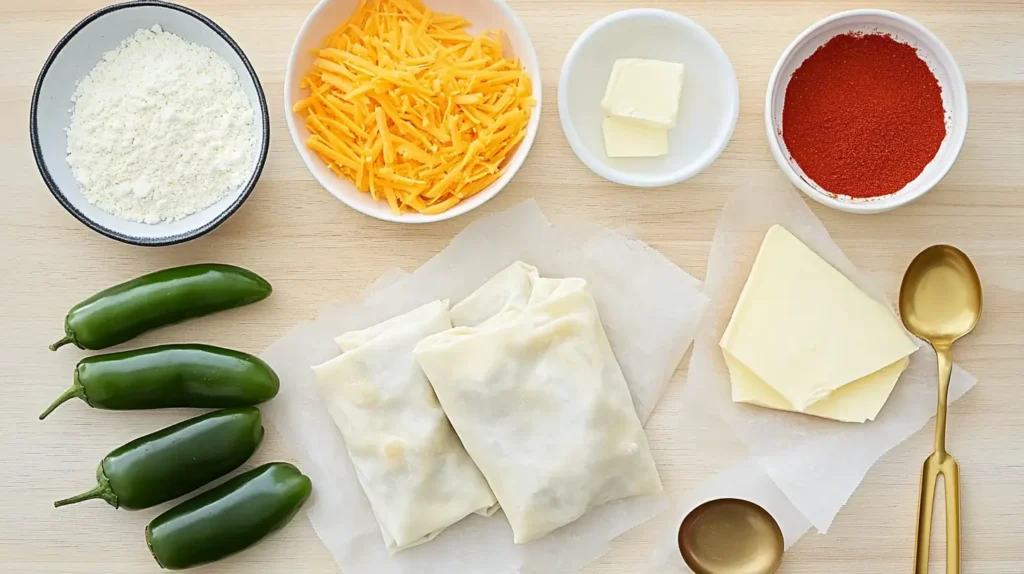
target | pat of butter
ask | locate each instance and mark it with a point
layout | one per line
(804, 338)
(647, 91)
(627, 138)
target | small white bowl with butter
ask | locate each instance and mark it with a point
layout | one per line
(647, 98)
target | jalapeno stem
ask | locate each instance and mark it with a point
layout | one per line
(67, 339)
(77, 391)
(102, 490)
(97, 492)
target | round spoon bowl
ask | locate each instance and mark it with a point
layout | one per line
(731, 536)
(940, 298)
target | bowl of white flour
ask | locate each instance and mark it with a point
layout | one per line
(149, 124)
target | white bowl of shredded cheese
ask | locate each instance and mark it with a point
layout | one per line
(484, 16)
(148, 123)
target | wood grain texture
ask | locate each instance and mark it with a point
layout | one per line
(313, 249)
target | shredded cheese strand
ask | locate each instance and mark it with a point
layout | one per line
(412, 108)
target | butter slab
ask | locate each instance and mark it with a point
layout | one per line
(628, 138)
(646, 91)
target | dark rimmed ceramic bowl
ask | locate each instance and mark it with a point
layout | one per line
(74, 57)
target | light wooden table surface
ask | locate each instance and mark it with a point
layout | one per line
(313, 248)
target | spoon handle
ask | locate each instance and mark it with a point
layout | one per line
(944, 354)
(950, 471)
(940, 463)
(926, 508)
(951, 475)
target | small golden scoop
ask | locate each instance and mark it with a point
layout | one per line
(731, 536)
(940, 302)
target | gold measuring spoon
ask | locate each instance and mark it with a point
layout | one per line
(940, 302)
(731, 536)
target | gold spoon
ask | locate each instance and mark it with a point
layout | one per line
(730, 536)
(940, 302)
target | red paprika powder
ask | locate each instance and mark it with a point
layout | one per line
(863, 115)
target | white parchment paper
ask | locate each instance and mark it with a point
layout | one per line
(650, 308)
(815, 462)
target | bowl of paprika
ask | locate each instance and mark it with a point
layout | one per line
(866, 111)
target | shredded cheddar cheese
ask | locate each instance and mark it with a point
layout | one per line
(412, 108)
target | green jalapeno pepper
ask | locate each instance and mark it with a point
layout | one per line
(229, 518)
(125, 311)
(176, 460)
(199, 376)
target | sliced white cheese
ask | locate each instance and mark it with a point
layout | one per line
(856, 402)
(804, 330)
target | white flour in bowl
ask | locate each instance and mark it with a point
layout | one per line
(161, 128)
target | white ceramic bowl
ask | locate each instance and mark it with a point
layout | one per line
(931, 50)
(707, 114)
(484, 15)
(74, 57)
